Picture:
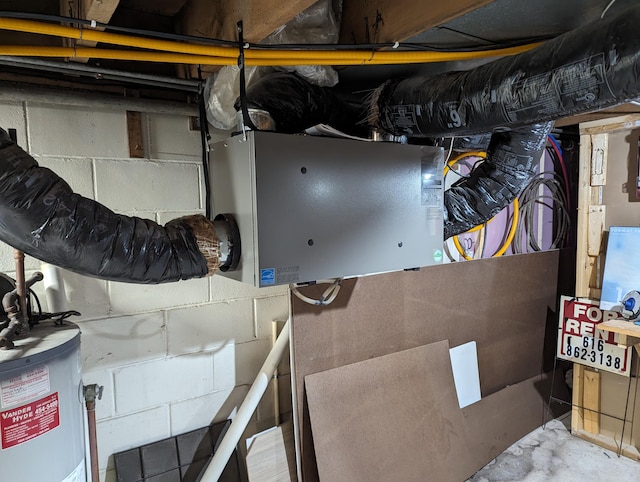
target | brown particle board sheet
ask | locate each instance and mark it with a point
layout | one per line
(396, 417)
(504, 304)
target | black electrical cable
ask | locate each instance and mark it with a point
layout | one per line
(530, 199)
(205, 137)
(246, 119)
(32, 293)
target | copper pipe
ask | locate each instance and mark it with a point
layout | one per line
(91, 393)
(21, 287)
(93, 443)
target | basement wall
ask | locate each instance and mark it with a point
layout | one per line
(171, 357)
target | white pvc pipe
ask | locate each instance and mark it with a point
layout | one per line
(242, 418)
(54, 288)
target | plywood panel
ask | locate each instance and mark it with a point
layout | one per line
(396, 418)
(500, 303)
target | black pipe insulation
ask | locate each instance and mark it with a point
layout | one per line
(42, 216)
(590, 68)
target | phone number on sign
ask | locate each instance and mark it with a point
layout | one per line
(593, 350)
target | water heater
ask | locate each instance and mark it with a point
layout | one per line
(309, 208)
(41, 413)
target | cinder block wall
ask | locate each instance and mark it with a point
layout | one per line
(171, 357)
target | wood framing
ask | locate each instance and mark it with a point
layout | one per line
(99, 10)
(218, 18)
(397, 20)
(589, 407)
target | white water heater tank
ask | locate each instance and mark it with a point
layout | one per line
(41, 412)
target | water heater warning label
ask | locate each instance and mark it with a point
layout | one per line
(24, 423)
(26, 386)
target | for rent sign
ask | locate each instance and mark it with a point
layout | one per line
(579, 341)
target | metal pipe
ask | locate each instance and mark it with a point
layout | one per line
(100, 72)
(91, 393)
(21, 289)
(241, 420)
(10, 303)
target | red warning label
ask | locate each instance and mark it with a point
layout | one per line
(21, 424)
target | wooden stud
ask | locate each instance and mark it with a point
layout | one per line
(591, 401)
(596, 228)
(610, 125)
(134, 131)
(577, 412)
(601, 115)
(584, 264)
(599, 156)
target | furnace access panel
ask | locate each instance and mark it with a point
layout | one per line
(311, 208)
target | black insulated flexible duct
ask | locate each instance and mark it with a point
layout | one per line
(511, 162)
(42, 216)
(589, 68)
(296, 104)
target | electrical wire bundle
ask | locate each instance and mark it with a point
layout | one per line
(549, 190)
(545, 189)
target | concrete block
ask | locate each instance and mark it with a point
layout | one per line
(223, 289)
(61, 130)
(266, 310)
(170, 138)
(87, 295)
(249, 359)
(199, 412)
(139, 185)
(207, 327)
(78, 173)
(224, 368)
(149, 384)
(129, 298)
(12, 116)
(121, 433)
(105, 406)
(114, 342)
(8, 264)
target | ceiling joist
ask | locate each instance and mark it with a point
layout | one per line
(218, 18)
(100, 11)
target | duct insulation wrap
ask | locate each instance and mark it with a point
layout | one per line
(42, 216)
(41, 412)
(295, 105)
(511, 162)
(589, 68)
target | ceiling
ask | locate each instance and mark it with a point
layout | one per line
(445, 25)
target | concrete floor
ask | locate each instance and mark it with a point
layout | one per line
(553, 454)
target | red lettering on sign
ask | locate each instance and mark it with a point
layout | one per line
(21, 424)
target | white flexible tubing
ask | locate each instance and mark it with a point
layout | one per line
(54, 288)
(249, 405)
